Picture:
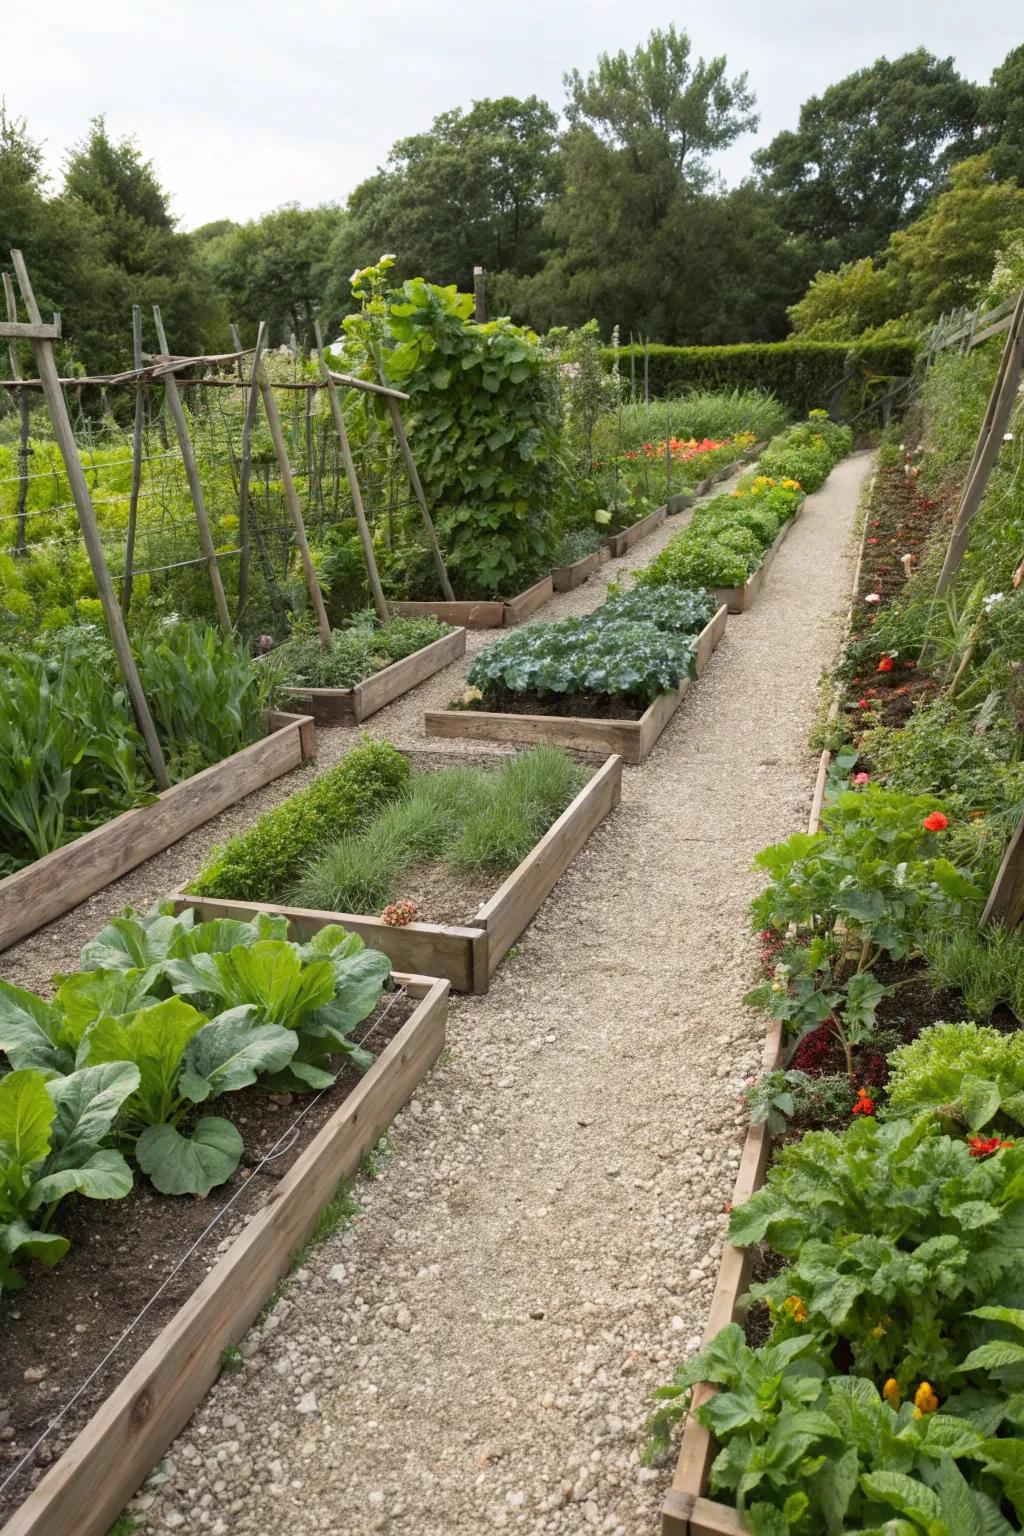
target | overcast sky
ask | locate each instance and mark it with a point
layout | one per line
(244, 106)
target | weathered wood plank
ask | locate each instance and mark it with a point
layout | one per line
(566, 578)
(486, 614)
(516, 902)
(631, 740)
(435, 949)
(1006, 899)
(88, 1487)
(619, 543)
(351, 706)
(60, 880)
(519, 608)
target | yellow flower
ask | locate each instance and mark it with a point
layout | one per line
(795, 1308)
(472, 696)
(790, 485)
(925, 1400)
(891, 1393)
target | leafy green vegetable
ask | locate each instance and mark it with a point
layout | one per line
(51, 1145)
(974, 1071)
(193, 1164)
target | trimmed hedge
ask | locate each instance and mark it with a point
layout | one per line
(799, 373)
(257, 865)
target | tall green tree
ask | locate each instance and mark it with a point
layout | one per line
(278, 268)
(143, 258)
(627, 242)
(870, 151)
(1002, 111)
(469, 191)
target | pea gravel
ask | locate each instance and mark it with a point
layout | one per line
(478, 1349)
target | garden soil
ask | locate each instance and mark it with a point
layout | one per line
(478, 1349)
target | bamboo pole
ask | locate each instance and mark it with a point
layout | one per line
(414, 480)
(133, 499)
(292, 502)
(338, 417)
(25, 422)
(192, 475)
(57, 406)
(245, 468)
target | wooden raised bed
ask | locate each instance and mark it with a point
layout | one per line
(619, 543)
(57, 882)
(685, 1511)
(739, 599)
(351, 706)
(496, 613)
(86, 1490)
(630, 739)
(468, 956)
(566, 578)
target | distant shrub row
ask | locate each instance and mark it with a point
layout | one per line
(801, 374)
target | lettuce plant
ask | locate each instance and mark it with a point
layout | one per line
(53, 1138)
(971, 1071)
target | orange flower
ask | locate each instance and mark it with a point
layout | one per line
(925, 1401)
(886, 664)
(795, 1308)
(891, 1393)
(936, 822)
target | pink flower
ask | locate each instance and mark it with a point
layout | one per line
(862, 778)
(872, 597)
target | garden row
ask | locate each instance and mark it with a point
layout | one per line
(613, 679)
(863, 1361)
(78, 801)
(158, 1070)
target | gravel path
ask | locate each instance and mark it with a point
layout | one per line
(478, 1349)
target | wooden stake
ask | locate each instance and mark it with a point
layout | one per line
(133, 501)
(192, 475)
(245, 469)
(21, 397)
(479, 295)
(380, 601)
(414, 480)
(1006, 901)
(57, 406)
(291, 497)
(990, 440)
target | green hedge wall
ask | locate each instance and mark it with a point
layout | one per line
(799, 373)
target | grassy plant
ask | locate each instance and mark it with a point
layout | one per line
(466, 818)
(259, 864)
(985, 965)
(699, 413)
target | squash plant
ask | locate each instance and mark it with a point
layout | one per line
(484, 419)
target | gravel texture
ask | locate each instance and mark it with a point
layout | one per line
(478, 1349)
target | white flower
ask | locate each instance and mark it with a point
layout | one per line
(1007, 437)
(873, 597)
(992, 601)
(356, 274)
(388, 257)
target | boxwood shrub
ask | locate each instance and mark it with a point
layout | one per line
(258, 864)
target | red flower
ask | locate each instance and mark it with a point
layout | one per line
(863, 704)
(984, 1146)
(872, 541)
(865, 1104)
(886, 664)
(936, 822)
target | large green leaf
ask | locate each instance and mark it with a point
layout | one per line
(88, 995)
(86, 1104)
(904, 1494)
(103, 1176)
(135, 943)
(229, 1053)
(26, 1115)
(154, 1039)
(20, 1241)
(189, 1165)
(269, 974)
(31, 1033)
(980, 1100)
(359, 980)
